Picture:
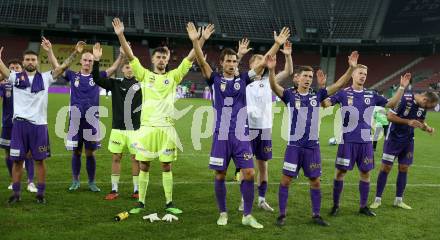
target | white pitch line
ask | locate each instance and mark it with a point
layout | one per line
(207, 156)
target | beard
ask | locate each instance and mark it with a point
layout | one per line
(30, 68)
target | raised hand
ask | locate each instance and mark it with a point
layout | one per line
(80, 46)
(270, 62)
(321, 77)
(97, 51)
(208, 31)
(243, 46)
(45, 44)
(193, 33)
(282, 38)
(404, 80)
(118, 26)
(353, 59)
(287, 48)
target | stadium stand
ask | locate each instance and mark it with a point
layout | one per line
(23, 12)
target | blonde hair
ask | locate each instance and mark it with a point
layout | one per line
(361, 66)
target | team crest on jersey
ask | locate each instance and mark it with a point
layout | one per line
(76, 83)
(166, 81)
(223, 86)
(136, 87)
(247, 156)
(237, 86)
(267, 149)
(368, 160)
(419, 113)
(261, 85)
(91, 82)
(313, 102)
(350, 101)
(367, 101)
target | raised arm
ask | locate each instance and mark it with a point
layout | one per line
(243, 48)
(193, 35)
(279, 40)
(271, 63)
(114, 67)
(288, 66)
(105, 83)
(206, 32)
(404, 82)
(3, 69)
(68, 61)
(118, 27)
(47, 46)
(344, 79)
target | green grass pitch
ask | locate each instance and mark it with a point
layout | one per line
(86, 215)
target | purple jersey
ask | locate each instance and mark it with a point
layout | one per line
(304, 116)
(8, 107)
(84, 93)
(229, 101)
(360, 103)
(406, 109)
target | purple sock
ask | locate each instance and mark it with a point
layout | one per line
(220, 194)
(337, 190)
(247, 191)
(16, 187)
(315, 196)
(381, 182)
(262, 189)
(91, 167)
(364, 189)
(29, 169)
(9, 164)
(283, 195)
(76, 166)
(401, 183)
(41, 188)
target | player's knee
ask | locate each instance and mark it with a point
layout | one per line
(315, 183)
(220, 175)
(248, 173)
(166, 167)
(144, 166)
(285, 181)
(77, 152)
(340, 174)
(386, 168)
(90, 152)
(365, 176)
(403, 168)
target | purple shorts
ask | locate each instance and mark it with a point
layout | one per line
(27, 137)
(404, 152)
(82, 133)
(5, 139)
(262, 144)
(223, 150)
(359, 153)
(309, 159)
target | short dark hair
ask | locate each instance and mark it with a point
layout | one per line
(14, 61)
(227, 51)
(432, 97)
(301, 69)
(163, 50)
(29, 52)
